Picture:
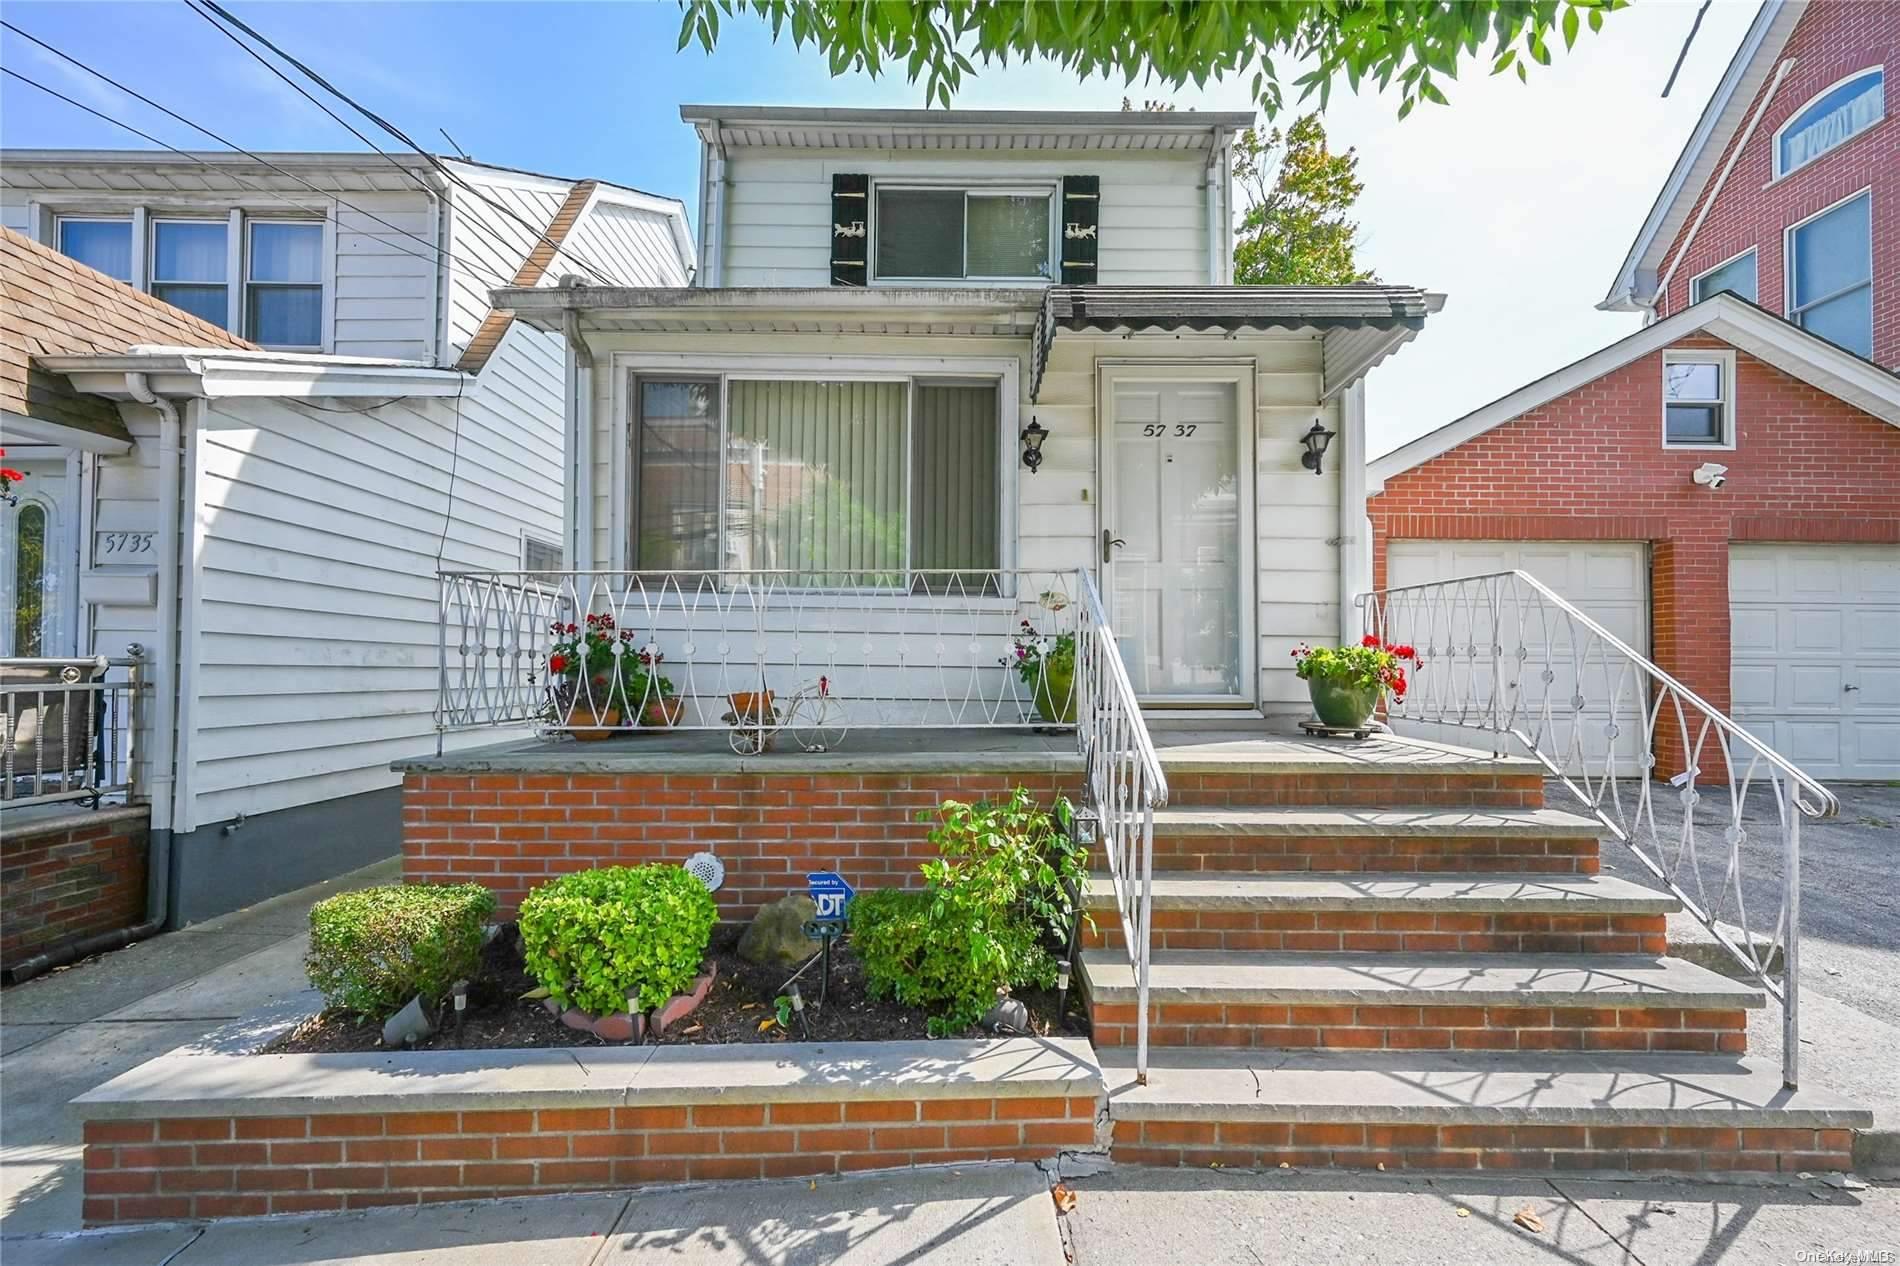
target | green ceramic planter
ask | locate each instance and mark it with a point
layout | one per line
(1342, 706)
(1055, 695)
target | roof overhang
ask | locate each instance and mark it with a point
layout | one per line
(796, 127)
(1742, 325)
(183, 371)
(781, 310)
(1636, 279)
(23, 429)
(1360, 325)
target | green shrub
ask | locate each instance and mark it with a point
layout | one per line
(374, 949)
(995, 896)
(596, 936)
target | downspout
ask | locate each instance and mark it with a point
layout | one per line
(1702, 213)
(1355, 555)
(1213, 184)
(581, 405)
(714, 230)
(164, 713)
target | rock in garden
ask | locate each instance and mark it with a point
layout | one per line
(777, 933)
(1009, 1015)
(411, 1024)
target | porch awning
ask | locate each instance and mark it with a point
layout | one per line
(1361, 324)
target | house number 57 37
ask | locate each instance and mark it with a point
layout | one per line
(122, 545)
(1183, 429)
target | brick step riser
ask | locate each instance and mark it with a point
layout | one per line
(1404, 855)
(1365, 790)
(1342, 930)
(1423, 1028)
(1606, 1149)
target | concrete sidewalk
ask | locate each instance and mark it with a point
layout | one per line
(64, 1033)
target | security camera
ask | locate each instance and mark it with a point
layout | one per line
(1710, 474)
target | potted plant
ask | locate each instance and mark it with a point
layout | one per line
(1347, 683)
(585, 674)
(1046, 664)
(649, 692)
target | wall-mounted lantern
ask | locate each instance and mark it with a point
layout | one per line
(1315, 441)
(1032, 437)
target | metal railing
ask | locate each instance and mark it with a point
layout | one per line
(754, 653)
(68, 729)
(1503, 654)
(1123, 786)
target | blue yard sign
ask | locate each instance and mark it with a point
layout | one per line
(831, 894)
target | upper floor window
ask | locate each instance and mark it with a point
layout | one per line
(283, 284)
(98, 243)
(1839, 114)
(191, 267)
(1698, 395)
(1736, 277)
(930, 234)
(1830, 266)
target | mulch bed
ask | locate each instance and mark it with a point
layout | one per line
(741, 1000)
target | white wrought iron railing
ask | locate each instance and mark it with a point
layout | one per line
(1505, 655)
(68, 729)
(815, 654)
(1123, 786)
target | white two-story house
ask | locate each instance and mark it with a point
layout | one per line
(982, 342)
(264, 518)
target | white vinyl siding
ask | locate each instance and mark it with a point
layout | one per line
(777, 228)
(316, 594)
(634, 245)
(490, 244)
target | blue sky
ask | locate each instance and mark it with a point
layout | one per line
(1516, 200)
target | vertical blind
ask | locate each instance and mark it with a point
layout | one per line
(954, 479)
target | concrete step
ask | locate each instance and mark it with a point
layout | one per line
(1406, 839)
(1249, 910)
(1609, 1113)
(1420, 1001)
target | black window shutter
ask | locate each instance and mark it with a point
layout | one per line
(850, 220)
(1081, 228)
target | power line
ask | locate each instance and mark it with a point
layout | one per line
(231, 145)
(402, 136)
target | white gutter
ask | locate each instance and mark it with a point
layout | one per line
(713, 230)
(1355, 543)
(165, 659)
(1715, 191)
(1213, 186)
(580, 408)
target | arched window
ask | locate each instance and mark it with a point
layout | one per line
(1841, 112)
(29, 580)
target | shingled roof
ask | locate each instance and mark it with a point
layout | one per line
(54, 306)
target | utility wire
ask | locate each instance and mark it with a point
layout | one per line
(1683, 55)
(233, 20)
(321, 212)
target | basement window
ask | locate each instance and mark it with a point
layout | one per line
(1698, 399)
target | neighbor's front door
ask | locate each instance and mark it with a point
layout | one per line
(1175, 543)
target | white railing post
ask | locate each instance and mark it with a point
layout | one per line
(1791, 946)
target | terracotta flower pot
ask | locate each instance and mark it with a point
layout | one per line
(1342, 705)
(590, 723)
(661, 714)
(752, 706)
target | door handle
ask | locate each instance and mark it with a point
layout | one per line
(1109, 542)
(1844, 689)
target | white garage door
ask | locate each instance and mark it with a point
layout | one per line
(1814, 651)
(1607, 581)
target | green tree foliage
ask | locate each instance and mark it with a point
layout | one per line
(1413, 44)
(1296, 229)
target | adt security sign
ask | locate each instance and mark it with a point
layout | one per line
(831, 894)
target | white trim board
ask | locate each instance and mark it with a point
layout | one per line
(1742, 325)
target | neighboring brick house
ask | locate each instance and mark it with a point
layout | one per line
(1775, 595)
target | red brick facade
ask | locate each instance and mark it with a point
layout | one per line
(222, 1166)
(1835, 39)
(1590, 466)
(513, 831)
(69, 878)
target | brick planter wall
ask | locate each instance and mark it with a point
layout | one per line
(70, 877)
(513, 831)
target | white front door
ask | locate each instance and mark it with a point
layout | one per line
(38, 564)
(1814, 647)
(1177, 513)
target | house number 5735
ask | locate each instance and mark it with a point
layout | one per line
(122, 545)
(1183, 429)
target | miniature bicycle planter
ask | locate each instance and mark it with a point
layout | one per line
(814, 716)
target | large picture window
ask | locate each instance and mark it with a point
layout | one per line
(847, 484)
(963, 234)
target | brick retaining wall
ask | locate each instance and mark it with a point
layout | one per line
(512, 831)
(68, 877)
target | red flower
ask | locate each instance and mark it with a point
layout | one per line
(557, 664)
(1369, 640)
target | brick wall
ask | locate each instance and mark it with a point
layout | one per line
(221, 1166)
(1833, 40)
(70, 877)
(513, 831)
(1590, 466)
